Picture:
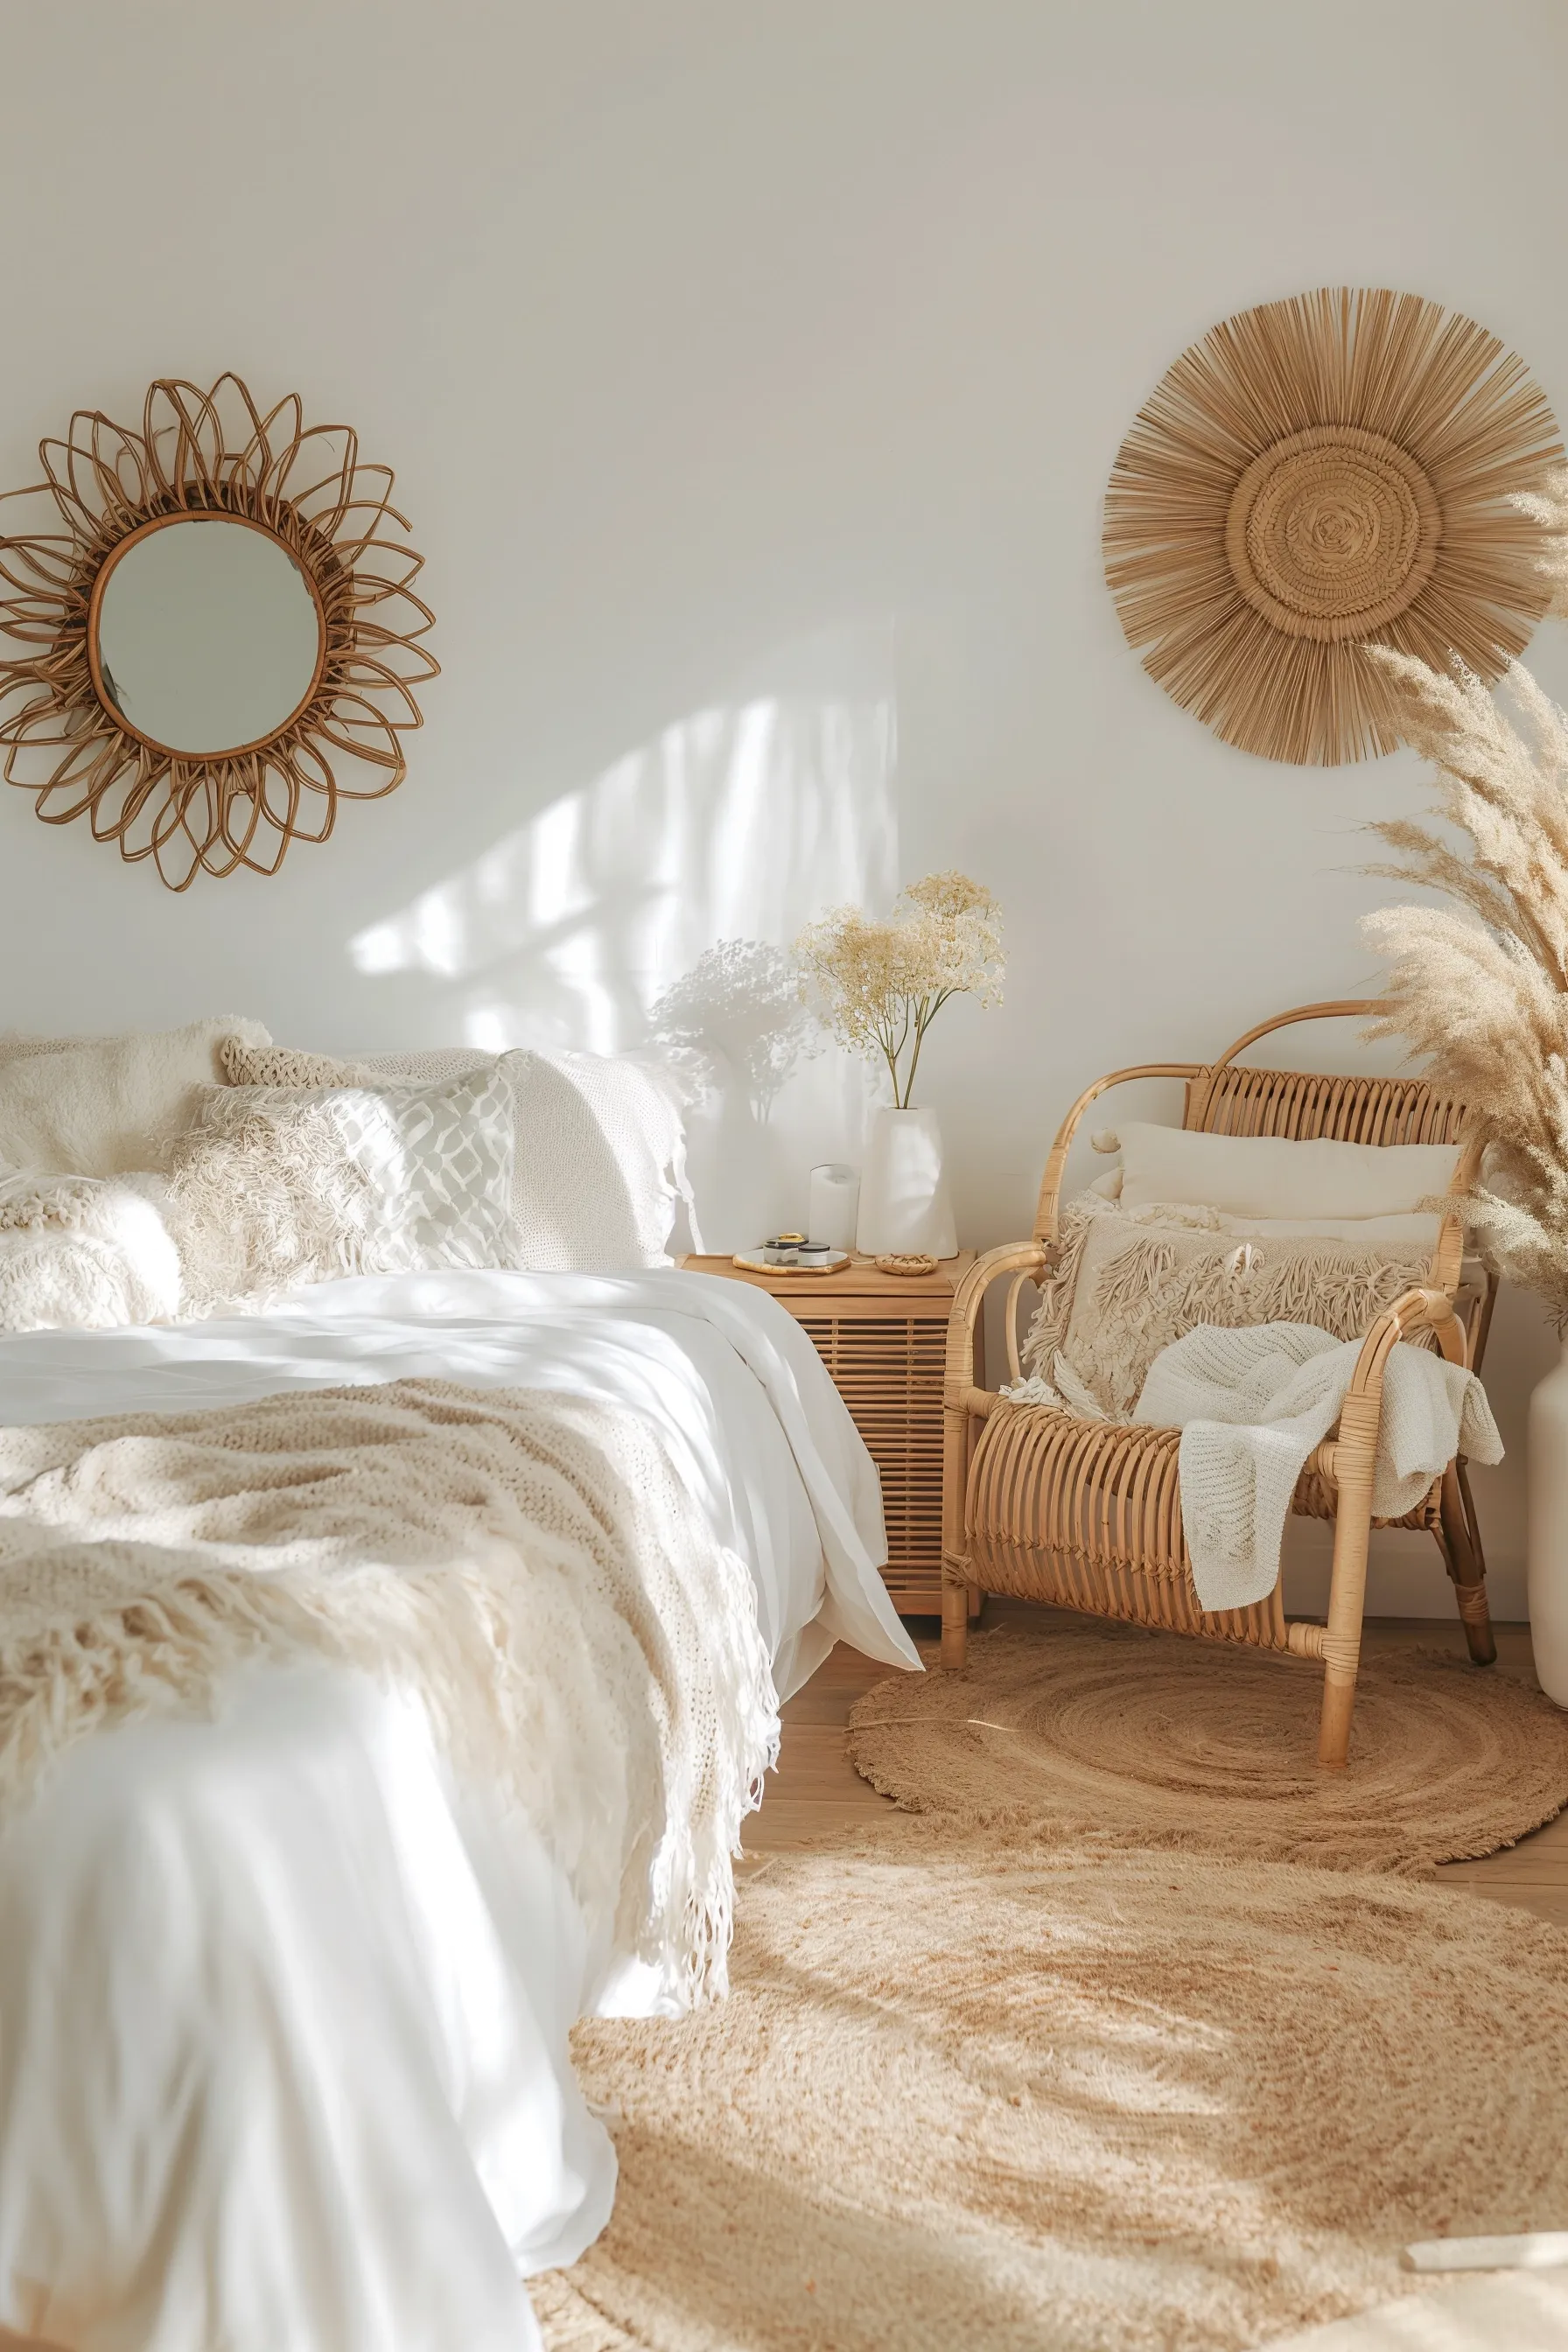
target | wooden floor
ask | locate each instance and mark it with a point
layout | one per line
(815, 1791)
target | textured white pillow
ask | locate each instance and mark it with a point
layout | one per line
(601, 1164)
(108, 1105)
(276, 1186)
(600, 1145)
(79, 1254)
(1269, 1176)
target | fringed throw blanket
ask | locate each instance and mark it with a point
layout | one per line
(528, 1563)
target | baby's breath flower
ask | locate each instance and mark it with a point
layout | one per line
(884, 982)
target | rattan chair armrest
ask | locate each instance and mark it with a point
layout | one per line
(1048, 1216)
(1355, 1442)
(969, 1299)
(1419, 1310)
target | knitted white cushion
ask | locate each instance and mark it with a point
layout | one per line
(601, 1164)
(599, 1146)
(1271, 1176)
(105, 1106)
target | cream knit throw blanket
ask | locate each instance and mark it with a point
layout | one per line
(527, 1563)
(1252, 1405)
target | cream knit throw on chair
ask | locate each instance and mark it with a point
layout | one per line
(1252, 1405)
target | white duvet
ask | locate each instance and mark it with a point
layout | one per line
(283, 2013)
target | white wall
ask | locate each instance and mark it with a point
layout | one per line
(751, 374)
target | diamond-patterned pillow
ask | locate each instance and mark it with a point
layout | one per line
(435, 1160)
(599, 1144)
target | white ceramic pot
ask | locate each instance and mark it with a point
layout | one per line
(904, 1194)
(1547, 1489)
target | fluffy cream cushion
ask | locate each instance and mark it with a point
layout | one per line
(599, 1145)
(107, 1106)
(1269, 1176)
(80, 1253)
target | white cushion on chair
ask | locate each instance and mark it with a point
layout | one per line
(1364, 1233)
(1273, 1177)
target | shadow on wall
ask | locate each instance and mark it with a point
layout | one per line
(738, 1020)
(652, 905)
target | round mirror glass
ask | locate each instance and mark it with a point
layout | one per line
(207, 635)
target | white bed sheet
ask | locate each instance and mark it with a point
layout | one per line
(283, 2012)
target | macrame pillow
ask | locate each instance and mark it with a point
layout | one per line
(84, 1254)
(277, 1186)
(1130, 1281)
(599, 1145)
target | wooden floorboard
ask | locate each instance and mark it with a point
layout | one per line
(816, 1790)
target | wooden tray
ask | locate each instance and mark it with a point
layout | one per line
(751, 1264)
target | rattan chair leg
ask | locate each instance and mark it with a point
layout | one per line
(954, 1626)
(957, 1448)
(1468, 1571)
(1347, 1592)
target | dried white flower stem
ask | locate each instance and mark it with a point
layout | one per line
(883, 984)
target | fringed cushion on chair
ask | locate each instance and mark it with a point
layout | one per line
(1130, 1281)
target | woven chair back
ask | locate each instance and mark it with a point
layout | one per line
(1304, 1105)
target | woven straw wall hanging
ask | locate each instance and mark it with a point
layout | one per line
(1315, 474)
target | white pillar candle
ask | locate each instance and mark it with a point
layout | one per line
(834, 1204)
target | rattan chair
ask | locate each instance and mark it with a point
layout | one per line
(1087, 1514)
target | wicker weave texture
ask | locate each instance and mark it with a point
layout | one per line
(1088, 1516)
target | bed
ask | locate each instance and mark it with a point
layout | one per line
(285, 1998)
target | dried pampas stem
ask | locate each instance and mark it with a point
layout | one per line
(1481, 988)
(1316, 474)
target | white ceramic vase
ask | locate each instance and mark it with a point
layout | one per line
(903, 1193)
(1547, 1555)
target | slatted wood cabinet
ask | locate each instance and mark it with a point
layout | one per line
(883, 1337)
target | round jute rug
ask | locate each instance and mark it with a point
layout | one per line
(1042, 2101)
(1080, 1727)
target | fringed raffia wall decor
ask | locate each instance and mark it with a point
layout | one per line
(1315, 474)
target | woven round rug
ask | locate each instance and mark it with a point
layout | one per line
(1102, 2103)
(1078, 1727)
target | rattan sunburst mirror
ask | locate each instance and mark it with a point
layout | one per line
(215, 637)
(1315, 474)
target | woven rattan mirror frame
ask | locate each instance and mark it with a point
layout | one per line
(210, 454)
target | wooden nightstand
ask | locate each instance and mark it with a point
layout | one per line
(883, 1336)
